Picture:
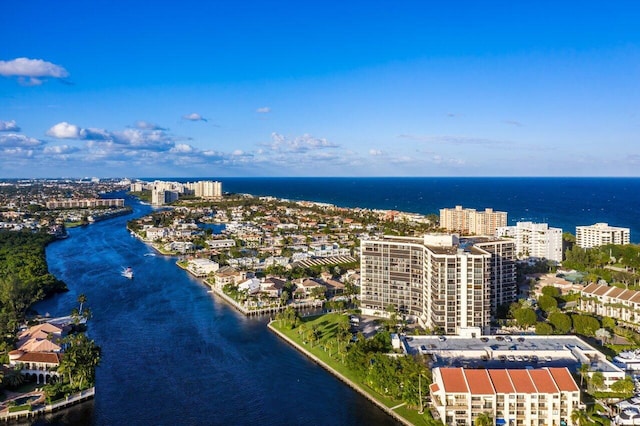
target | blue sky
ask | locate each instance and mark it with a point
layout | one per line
(290, 88)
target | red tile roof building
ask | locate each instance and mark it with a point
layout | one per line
(545, 396)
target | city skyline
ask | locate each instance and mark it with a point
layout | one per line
(360, 89)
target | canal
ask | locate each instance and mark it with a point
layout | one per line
(174, 354)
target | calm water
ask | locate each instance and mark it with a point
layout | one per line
(174, 354)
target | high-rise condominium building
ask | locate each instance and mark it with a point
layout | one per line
(601, 234)
(206, 188)
(472, 222)
(503, 288)
(440, 280)
(536, 240)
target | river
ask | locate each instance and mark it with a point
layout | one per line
(174, 354)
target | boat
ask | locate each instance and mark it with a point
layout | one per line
(127, 272)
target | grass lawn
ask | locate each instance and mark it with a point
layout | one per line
(328, 328)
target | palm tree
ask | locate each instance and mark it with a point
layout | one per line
(483, 419)
(12, 378)
(584, 369)
(82, 299)
(580, 417)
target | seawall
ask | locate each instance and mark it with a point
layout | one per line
(350, 383)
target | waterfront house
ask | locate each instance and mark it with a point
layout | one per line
(40, 366)
(202, 267)
(272, 286)
(228, 275)
(251, 286)
(334, 287)
(180, 246)
(305, 287)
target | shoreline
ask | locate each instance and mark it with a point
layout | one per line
(340, 377)
(74, 399)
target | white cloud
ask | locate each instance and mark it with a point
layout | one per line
(140, 139)
(15, 140)
(182, 148)
(31, 71)
(16, 152)
(263, 110)
(302, 143)
(375, 152)
(64, 130)
(60, 149)
(194, 116)
(9, 126)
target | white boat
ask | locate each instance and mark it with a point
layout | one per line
(127, 272)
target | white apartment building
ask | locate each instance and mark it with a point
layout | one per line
(535, 240)
(545, 396)
(601, 234)
(472, 222)
(444, 282)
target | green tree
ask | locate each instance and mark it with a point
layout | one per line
(580, 417)
(12, 378)
(547, 303)
(551, 291)
(483, 419)
(525, 317)
(561, 322)
(583, 370)
(609, 323)
(624, 386)
(82, 299)
(319, 293)
(544, 329)
(80, 359)
(596, 382)
(585, 324)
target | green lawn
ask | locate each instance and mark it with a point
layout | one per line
(328, 327)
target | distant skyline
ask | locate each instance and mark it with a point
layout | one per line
(412, 88)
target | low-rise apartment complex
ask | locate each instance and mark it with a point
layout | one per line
(545, 396)
(609, 301)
